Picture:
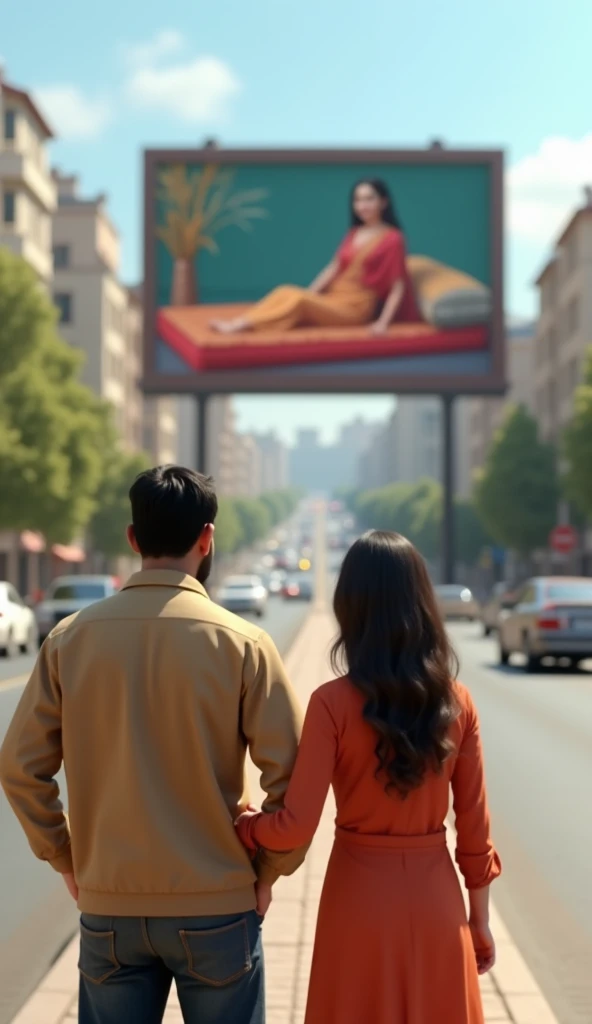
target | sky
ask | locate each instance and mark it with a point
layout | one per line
(114, 78)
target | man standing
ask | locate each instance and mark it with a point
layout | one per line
(151, 700)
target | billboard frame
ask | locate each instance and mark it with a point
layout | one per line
(281, 382)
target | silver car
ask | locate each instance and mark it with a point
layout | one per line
(456, 602)
(552, 617)
(70, 594)
(242, 594)
(497, 607)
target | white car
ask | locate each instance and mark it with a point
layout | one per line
(18, 629)
(243, 594)
(70, 594)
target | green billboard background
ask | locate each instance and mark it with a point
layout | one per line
(444, 210)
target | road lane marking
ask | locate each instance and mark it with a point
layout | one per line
(12, 684)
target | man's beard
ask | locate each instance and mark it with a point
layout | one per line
(205, 566)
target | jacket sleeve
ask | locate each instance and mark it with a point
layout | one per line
(272, 724)
(31, 757)
(296, 824)
(475, 854)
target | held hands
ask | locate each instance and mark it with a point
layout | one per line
(483, 944)
(242, 827)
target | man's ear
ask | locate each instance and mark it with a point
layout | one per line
(131, 539)
(205, 540)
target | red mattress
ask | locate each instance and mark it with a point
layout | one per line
(186, 330)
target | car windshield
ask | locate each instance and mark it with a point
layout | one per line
(569, 592)
(79, 592)
(241, 584)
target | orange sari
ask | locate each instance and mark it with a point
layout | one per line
(366, 275)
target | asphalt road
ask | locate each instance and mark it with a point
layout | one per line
(537, 732)
(37, 917)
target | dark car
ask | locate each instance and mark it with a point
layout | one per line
(298, 588)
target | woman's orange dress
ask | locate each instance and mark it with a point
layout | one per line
(365, 277)
(392, 943)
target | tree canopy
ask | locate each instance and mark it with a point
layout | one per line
(517, 491)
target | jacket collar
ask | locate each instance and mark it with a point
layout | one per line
(165, 578)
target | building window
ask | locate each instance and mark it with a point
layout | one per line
(61, 256)
(9, 207)
(63, 301)
(9, 124)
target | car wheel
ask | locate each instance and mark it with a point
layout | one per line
(504, 655)
(11, 648)
(533, 661)
(486, 630)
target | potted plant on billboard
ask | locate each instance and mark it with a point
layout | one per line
(195, 205)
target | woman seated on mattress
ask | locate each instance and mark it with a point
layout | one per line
(367, 282)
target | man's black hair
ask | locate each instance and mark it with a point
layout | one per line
(171, 506)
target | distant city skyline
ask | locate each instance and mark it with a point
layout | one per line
(286, 414)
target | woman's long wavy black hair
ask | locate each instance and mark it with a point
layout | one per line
(394, 648)
(389, 214)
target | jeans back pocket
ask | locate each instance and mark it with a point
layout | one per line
(97, 960)
(218, 956)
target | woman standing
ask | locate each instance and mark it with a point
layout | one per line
(366, 283)
(392, 736)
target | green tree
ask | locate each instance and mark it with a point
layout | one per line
(471, 537)
(228, 536)
(517, 491)
(52, 428)
(577, 447)
(107, 528)
(255, 519)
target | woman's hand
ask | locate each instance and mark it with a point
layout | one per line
(242, 826)
(379, 328)
(484, 946)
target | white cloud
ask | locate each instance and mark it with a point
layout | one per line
(163, 44)
(544, 188)
(71, 114)
(196, 91)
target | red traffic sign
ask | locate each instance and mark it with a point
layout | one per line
(563, 539)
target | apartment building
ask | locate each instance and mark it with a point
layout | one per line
(102, 317)
(564, 333)
(274, 462)
(27, 190)
(486, 415)
(248, 467)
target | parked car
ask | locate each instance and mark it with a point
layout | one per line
(18, 628)
(298, 588)
(501, 600)
(456, 602)
(243, 594)
(69, 594)
(552, 617)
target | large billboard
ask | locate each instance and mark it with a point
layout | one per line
(323, 271)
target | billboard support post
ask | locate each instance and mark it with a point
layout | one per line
(448, 467)
(202, 401)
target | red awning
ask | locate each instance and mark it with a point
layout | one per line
(68, 552)
(31, 541)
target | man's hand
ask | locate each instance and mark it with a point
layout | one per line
(71, 885)
(264, 894)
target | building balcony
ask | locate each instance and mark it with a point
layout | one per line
(23, 171)
(38, 258)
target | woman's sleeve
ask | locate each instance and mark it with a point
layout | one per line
(394, 258)
(341, 255)
(296, 824)
(475, 854)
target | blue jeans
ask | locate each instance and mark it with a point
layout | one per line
(127, 966)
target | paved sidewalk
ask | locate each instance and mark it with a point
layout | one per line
(510, 993)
